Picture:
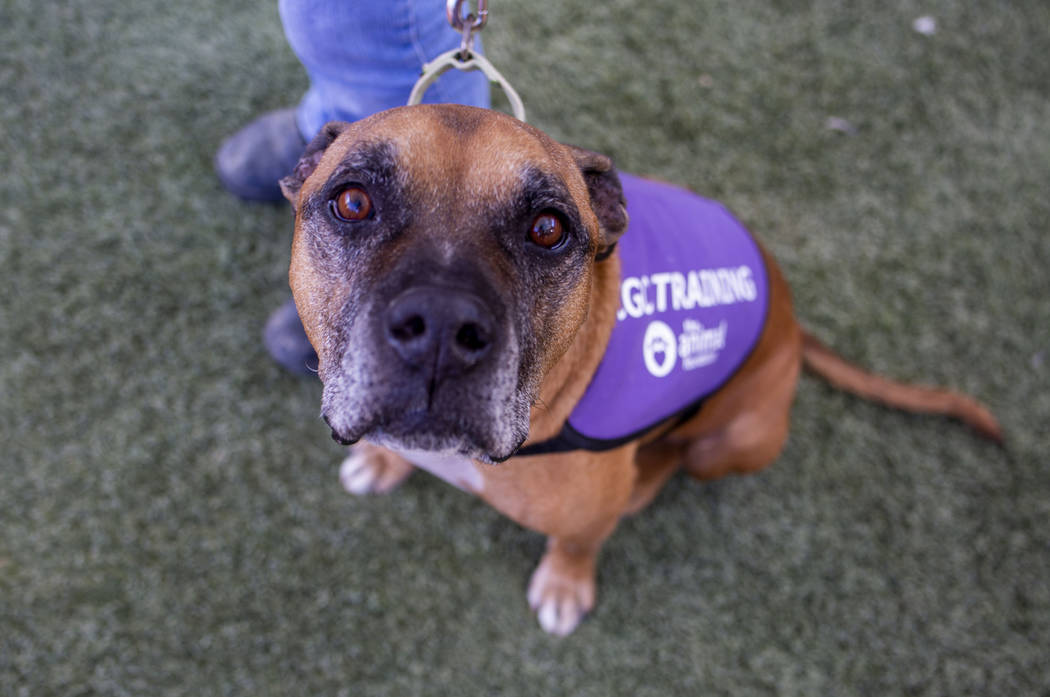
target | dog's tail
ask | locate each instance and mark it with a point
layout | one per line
(916, 398)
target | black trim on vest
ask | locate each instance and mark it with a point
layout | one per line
(569, 438)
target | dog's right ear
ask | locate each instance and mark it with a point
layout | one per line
(309, 160)
(606, 193)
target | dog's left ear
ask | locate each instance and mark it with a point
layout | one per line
(309, 160)
(606, 193)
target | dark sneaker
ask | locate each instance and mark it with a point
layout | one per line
(251, 161)
(285, 340)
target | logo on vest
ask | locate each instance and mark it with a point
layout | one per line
(659, 349)
(696, 346)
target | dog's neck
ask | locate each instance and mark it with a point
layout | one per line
(567, 380)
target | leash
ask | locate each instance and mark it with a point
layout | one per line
(465, 58)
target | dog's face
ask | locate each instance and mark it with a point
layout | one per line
(442, 265)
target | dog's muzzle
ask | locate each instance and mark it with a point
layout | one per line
(434, 368)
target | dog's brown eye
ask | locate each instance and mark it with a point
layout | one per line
(353, 204)
(547, 230)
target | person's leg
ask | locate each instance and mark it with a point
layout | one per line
(362, 56)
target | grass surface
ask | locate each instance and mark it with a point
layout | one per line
(170, 518)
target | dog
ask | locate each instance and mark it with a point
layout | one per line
(464, 278)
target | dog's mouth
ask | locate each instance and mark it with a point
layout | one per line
(424, 430)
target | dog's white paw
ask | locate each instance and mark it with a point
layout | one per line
(369, 469)
(562, 593)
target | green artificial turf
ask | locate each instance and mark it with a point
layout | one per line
(170, 517)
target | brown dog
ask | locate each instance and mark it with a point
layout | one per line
(453, 267)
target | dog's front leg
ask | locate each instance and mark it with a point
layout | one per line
(370, 469)
(576, 499)
(562, 588)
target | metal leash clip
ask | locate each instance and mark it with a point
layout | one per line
(464, 58)
(473, 22)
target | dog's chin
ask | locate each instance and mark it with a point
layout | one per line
(422, 432)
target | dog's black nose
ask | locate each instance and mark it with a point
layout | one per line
(441, 329)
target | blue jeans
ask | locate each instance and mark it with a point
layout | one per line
(363, 56)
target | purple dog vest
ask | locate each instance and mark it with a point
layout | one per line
(693, 301)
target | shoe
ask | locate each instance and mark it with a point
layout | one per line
(252, 161)
(285, 340)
